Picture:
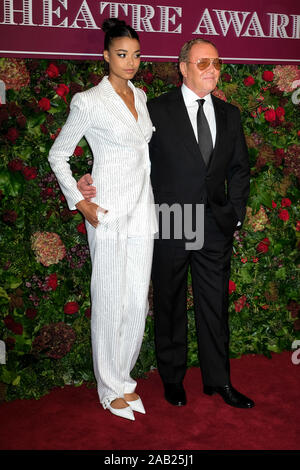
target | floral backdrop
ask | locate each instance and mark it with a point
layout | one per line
(45, 265)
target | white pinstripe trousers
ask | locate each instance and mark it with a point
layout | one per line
(121, 268)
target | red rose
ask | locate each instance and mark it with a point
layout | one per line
(44, 129)
(286, 202)
(268, 76)
(81, 228)
(52, 281)
(280, 153)
(52, 71)
(232, 287)
(88, 312)
(15, 165)
(249, 81)
(78, 152)
(29, 173)
(297, 325)
(10, 217)
(17, 328)
(280, 112)
(298, 226)
(53, 136)
(13, 326)
(44, 104)
(12, 134)
(31, 313)
(270, 115)
(21, 120)
(47, 193)
(262, 247)
(71, 307)
(148, 77)
(266, 241)
(274, 204)
(240, 303)
(226, 77)
(283, 215)
(62, 89)
(10, 343)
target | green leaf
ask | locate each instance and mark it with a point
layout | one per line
(280, 273)
(3, 294)
(16, 381)
(12, 282)
(11, 183)
(36, 120)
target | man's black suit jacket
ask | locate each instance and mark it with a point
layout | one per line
(178, 172)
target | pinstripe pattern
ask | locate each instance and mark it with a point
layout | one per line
(120, 284)
(122, 244)
(121, 169)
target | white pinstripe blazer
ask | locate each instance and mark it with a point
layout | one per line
(121, 167)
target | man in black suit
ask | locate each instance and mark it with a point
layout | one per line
(197, 160)
(198, 157)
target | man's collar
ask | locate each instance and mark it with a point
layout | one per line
(190, 96)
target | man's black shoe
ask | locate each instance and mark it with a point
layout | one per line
(231, 396)
(175, 394)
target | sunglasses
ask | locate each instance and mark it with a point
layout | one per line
(202, 64)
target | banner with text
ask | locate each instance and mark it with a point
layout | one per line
(260, 31)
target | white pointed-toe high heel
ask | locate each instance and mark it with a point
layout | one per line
(137, 405)
(122, 412)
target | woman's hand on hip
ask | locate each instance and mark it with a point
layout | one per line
(89, 211)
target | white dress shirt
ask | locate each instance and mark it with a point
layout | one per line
(190, 99)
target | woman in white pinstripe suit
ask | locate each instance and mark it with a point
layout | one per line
(121, 219)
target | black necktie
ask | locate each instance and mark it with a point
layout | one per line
(204, 135)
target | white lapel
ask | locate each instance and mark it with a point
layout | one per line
(114, 103)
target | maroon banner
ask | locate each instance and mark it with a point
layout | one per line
(260, 31)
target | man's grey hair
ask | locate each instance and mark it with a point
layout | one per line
(185, 50)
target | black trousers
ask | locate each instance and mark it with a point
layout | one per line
(210, 271)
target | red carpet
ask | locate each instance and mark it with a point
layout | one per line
(72, 418)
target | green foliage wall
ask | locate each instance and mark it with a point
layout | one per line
(45, 265)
